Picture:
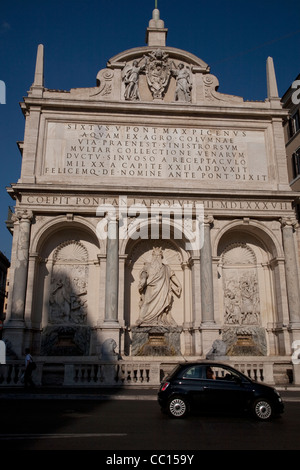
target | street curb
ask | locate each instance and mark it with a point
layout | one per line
(288, 394)
(62, 396)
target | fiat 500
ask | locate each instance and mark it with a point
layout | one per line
(218, 387)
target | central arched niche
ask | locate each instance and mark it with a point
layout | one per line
(245, 286)
(151, 335)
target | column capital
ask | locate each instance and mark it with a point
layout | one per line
(22, 215)
(187, 264)
(112, 217)
(208, 220)
(290, 222)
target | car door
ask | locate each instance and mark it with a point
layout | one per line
(225, 391)
(193, 384)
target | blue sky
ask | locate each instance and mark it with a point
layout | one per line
(234, 37)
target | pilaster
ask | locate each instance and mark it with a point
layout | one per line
(207, 291)
(291, 270)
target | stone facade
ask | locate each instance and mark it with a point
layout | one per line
(153, 160)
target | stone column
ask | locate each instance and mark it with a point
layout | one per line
(14, 327)
(207, 292)
(112, 270)
(21, 266)
(32, 268)
(291, 271)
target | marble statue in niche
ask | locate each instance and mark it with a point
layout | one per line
(157, 283)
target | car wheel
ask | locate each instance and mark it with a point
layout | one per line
(262, 409)
(177, 407)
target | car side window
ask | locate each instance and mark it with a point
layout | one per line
(223, 374)
(194, 372)
(218, 373)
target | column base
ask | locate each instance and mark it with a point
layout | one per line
(108, 340)
(209, 332)
(13, 336)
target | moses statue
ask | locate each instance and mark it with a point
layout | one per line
(157, 282)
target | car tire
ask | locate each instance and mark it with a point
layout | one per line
(178, 407)
(262, 409)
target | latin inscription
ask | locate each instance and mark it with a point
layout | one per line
(155, 152)
(95, 201)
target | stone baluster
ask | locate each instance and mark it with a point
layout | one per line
(206, 272)
(112, 270)
(291, 270)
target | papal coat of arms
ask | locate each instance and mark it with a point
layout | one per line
(158, 69)
(158, 72)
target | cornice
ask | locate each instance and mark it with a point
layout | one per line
(257, 109)
(19, 188)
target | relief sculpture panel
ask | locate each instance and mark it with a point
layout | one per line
(68, 332)
(242, 299)
(68, 291)
(242, 331)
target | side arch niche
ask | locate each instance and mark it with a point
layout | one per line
(152, 332)
(246, 294)
(67, 286)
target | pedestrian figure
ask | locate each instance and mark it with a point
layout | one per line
(29, 367)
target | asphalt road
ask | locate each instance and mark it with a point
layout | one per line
(128, 425)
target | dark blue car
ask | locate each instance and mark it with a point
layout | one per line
(203, 386)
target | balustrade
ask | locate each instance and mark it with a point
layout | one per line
(253, 371)
(119, 373)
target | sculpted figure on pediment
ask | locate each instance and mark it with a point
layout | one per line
(183, 83)
(130, 77)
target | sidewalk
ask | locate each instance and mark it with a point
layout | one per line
(66, 393)
(289, 394)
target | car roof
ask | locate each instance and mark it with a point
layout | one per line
(204, 362)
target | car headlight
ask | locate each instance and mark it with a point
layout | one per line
(278, 395)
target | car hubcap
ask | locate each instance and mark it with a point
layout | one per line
(263, 410)
(177, 407)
